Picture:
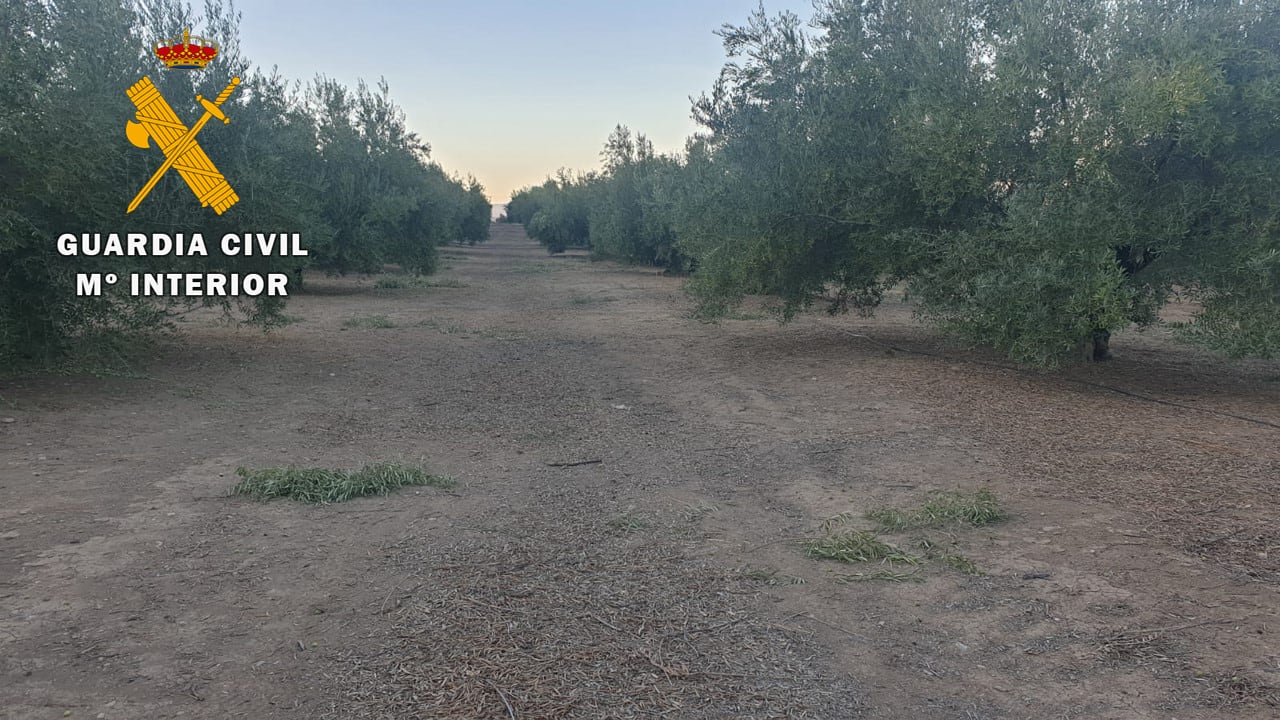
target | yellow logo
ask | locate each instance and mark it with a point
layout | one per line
(157, 121)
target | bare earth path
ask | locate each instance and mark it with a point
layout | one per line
(662, 577)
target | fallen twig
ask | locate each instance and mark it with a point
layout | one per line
(607, 624)
(1141, 632)
(761, 546)
(511, 712)
(383, 608)
(850, 633)
(575, 464)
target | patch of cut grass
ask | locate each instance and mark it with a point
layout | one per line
(628, 522)
(882, 576)
(857, 546)
(322, 486)
(367, 322)
(949, 557)
(694, 513)
(835, 520)
(402, 282)
(773, 577)
(959, 563)
(943, 509)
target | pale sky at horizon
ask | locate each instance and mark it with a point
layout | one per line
(510, 91)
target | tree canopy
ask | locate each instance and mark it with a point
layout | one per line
(1035, 173)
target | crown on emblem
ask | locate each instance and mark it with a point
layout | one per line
(187, 53)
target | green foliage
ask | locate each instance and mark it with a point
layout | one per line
(622, 213)
(949, 557)
(629, 522)
(323, 486)
(335, 165)
(1039, 173)
(776, 199)
(52, 148)
(858, 546)
(881, 575)
(629, 219)
(476, 214)
(555, 213)
(944, 509)
(401, 282)
(369, 322)
(1115, 186)
(381, 199)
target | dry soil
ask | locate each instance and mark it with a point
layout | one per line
(625, 536)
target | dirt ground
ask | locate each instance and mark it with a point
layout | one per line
(1137, 576)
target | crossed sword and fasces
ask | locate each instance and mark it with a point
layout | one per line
(156, 120)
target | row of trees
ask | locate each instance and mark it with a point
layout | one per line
(555, 213)
(334, 163)
(623, 212)
(1036, 173)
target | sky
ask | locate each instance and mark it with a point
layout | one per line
(511, 91)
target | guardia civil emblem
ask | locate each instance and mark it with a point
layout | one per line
(156, 121)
